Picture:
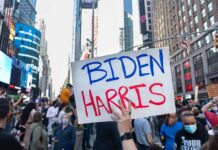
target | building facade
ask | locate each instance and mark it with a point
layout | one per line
(46, 81)
(194, 22)
(27, 41)
(26, 12)
(128, 25)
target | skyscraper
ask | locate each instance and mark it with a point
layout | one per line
(26, 12)
(194, 23)
(128, 25)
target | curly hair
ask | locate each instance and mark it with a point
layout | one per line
(26, 112)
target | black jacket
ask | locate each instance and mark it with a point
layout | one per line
(107, 137)
(185, 140)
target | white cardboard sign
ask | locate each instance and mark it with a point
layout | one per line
(141, 77)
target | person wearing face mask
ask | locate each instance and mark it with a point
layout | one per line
(193, 135)
(211, 116)
(169, 130)
(65, 135)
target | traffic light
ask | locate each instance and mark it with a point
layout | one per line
(216, 41)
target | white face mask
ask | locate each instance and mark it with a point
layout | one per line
(214, 109)
(65, 121)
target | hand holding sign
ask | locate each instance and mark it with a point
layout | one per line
(123, 120)
(142, 76)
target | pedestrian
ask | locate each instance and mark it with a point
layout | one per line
(26, 119)
(169, 130)
(201, 120)
(212, 143)
(65, 135)
(143, 133)
(86, 136)
(7, 141)
(107, 136)
(211, 116)
(38, 136)
(193, 135)
(52, 118)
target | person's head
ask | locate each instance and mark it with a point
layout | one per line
(4, 108)
(195, 111)
(214, 108)
(189, 122)
(37, 117)
(55, 103)
(26, 112)
(65, 119)
(171, 119)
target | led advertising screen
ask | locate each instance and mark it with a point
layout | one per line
(15, 72)
(5, 68)
(142, 16)
(26, 76)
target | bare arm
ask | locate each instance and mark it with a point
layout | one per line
(149, 139)
(124, 125)
(208, 105)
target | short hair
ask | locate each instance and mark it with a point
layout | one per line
(4, 108)
(195, 111)
(37, 117)
(187, 114)
(154, 147)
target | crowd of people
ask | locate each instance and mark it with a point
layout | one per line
(38, 125)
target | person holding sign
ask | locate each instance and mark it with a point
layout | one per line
(212, 117)
(124, 127)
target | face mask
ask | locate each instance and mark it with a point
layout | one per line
(65, 121)
(191, 128)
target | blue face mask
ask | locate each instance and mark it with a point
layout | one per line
(190, 128)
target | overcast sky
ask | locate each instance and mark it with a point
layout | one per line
(58, 19)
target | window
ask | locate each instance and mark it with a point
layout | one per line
(199, 71)
(212, 57)
(197, 30)
(189, 2)
(207, 38)
(149, 14)
(148, 3)
(212, 20)
(183, 8)
(199, 44)
(149, 8)
(178, 79)
(203, 13)
(202, 2)
(210, 7)
(184, 18)
(213, 35)
(180, 13)
(187, 75)
(191, 24)
(186, 30)
(205, 26)
(195, 8)
(196, 19)
(190, 12)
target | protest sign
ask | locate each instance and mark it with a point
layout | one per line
(140, 77)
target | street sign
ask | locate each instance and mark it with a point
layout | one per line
(185, 44)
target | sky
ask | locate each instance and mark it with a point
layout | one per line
(58, 16)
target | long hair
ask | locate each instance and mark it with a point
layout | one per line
(26, 112)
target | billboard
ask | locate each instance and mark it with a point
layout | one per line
(27, 41)
(142, 16)
(15, 72)
(5, 68)
(26, 76)
(88, 4)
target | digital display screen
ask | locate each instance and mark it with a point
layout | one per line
(5, 68)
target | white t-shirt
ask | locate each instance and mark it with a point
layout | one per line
(51, 114)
